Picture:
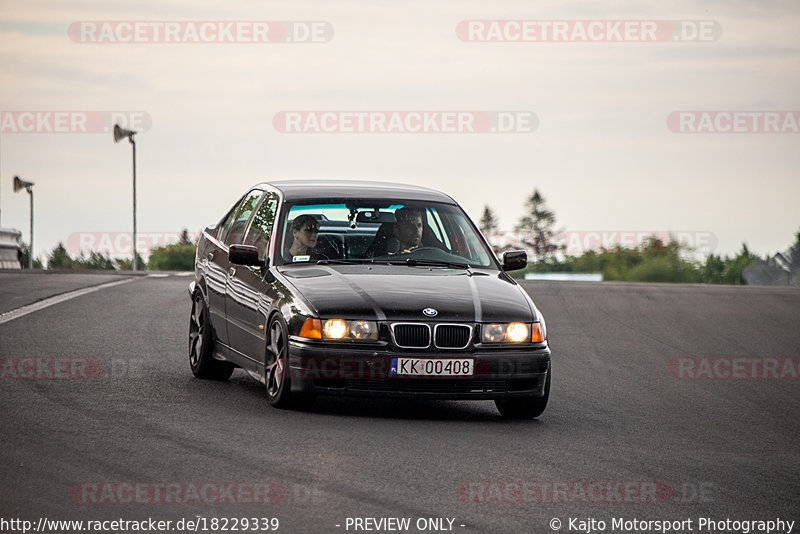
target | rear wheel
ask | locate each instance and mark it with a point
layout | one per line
(201, 345)
(525, 407)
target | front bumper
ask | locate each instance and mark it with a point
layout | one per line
(337, 370)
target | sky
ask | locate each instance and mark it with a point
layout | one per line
(685, 124)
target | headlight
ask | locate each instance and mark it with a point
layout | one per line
(511, 333)
(364, 330)
(340, 330)
(334, 329)
(517, 332)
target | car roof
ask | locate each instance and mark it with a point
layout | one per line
(317, 189)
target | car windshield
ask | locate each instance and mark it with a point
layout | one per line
(382, 231)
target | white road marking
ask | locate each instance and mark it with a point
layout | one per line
(45, 303)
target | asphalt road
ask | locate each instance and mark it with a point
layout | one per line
(21, 289)
(118, 411)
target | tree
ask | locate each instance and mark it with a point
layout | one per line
(794, 252)
(713, 270)
(96, 261)
(175, 257)
(735, 266)
(24, 254)
(126, 264)
(537, 229)
(185, 239)
(662, 262)
(488, 222)
(59, 258)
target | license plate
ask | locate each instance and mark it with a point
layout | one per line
(432, 367)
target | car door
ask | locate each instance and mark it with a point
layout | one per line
(214, 263)
(248, 296)
(218, 265)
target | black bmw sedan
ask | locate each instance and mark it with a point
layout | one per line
(364, 289)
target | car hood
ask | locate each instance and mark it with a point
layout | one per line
(400, 293)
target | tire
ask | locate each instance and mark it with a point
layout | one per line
(525, 407)
(277, 378)
(276, 367)
(201, 344)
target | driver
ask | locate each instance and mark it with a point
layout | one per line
(408, 229)
(305, 230)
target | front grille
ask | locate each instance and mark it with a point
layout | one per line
(436, 385)
(412, 336)
(452, 336)
(418, 335)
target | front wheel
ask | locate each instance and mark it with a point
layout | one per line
(276, 370)
(201, 345)
(276, 367)
(525, 407)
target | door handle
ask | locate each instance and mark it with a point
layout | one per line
(210, 256)
(232, 271)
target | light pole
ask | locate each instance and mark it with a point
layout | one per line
(28, 186)
(119, 134)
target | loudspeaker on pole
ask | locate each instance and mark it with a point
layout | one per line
(122, 133)
(21, 184)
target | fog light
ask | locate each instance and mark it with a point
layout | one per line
(335, 329)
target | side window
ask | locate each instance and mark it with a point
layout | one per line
(236, 225)
(261, 228)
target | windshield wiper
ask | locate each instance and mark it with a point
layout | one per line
(345, 262)
(432, 263)
(410, 262)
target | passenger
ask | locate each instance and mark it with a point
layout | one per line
(407, 230)
(305, 229)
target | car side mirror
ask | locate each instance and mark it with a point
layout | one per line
(245, 255)
(514, 260)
